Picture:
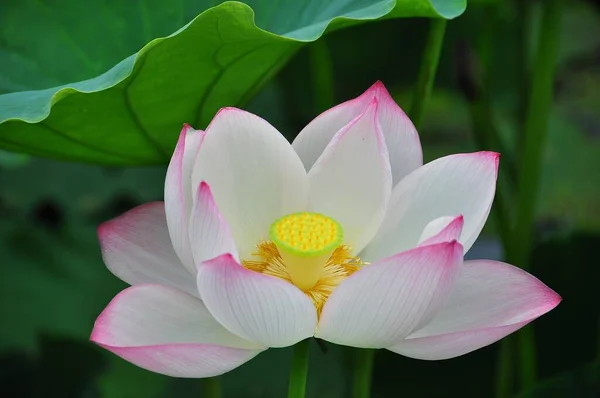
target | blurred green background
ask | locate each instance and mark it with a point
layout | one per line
(53, 282)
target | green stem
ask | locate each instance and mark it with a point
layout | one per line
(299, 370)
(429, 65)
(598, 343)
(504, 371)
(527, 357)
(321, 72)
(363, 369)
(211, 388)
(524, 17)
(536, 126)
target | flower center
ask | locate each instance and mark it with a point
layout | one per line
(306, 250)
(305, 242)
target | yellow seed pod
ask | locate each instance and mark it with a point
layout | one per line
(305, 242)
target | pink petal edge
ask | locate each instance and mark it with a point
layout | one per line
(433, 343)
(184, 360)
(358, 313)
(208, 228)
(448, 233)
(257, 307)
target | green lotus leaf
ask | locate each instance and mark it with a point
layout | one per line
(132, 113)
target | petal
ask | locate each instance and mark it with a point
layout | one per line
(384, 302)
(136, 247)
(457, 184)
(443, 229)
(178, 191)
(400, 135)
(258, 307)
(167, 331)
(351, 181)
(254, 174)
(209, 232)
(450, 345)
(490, 300)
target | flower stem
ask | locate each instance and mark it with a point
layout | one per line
(299, 370)
(211, 387)
(535, 132)
(429, 64)
(504, 372)
(524, 19)
(536, 126)
(363, 369)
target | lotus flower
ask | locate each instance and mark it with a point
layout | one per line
(343, 235)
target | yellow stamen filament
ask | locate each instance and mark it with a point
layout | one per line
(338, 267)
(305, 241)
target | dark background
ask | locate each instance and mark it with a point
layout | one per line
(53, 283)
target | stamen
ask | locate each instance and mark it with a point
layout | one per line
(337, 267)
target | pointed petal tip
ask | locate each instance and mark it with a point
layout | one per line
(492, 157)
(222, 112)
(554, 299)
(225, 259)
(188, 129)
(100, 332)
(379, 88)
(204, 188)
(227, 109)
(103, 229)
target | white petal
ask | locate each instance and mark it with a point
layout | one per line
(490, 300)
(136, 247)
(351, 181)
(457, 184)
(167, 331)
(179, 193)
(258, 307)
(443, 229)
(209, 232)
(385, 301)
(400, 135)
(254, 174)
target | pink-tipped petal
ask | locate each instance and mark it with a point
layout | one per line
(136, 247)
(490, 300)
(400, 134)
(386, 301)
(185, 360)
(254, 174)
(351, 181)
(450, 345)
(209, 231)
(443, 229)
(179, 192)
(170, 332)
(457, 184)
(258, 307)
